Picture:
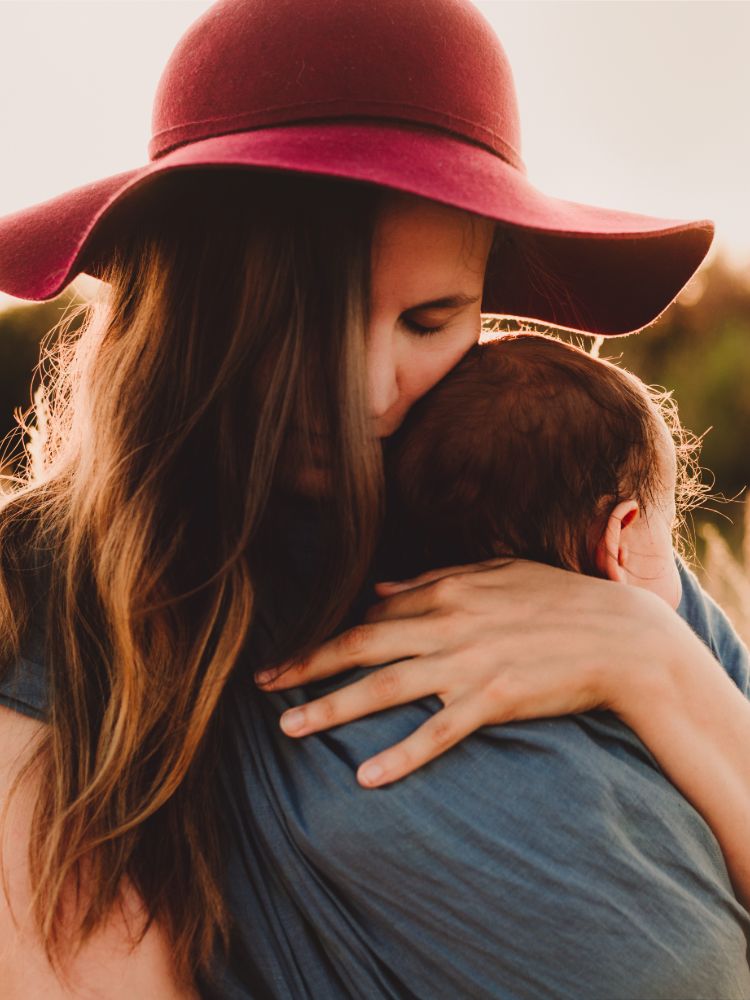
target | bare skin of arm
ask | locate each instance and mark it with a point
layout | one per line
(105, 968)
(696, 722)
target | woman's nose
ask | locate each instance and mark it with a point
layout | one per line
(382, 382)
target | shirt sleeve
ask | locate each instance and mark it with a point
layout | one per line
(713, 626)
(23, 684)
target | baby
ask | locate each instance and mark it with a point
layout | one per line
(533, 448)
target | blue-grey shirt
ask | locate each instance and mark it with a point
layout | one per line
(536, 860)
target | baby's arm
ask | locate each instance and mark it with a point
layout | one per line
(695, 719)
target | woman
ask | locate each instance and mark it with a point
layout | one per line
(179, 528)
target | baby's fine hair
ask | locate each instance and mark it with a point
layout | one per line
(523, 450)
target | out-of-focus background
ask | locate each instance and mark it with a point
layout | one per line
(633, 105)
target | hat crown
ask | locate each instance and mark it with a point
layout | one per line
(248, 64)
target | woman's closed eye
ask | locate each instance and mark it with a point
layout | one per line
(423, 331)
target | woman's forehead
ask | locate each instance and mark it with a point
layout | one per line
(425, 247)
(404, 218)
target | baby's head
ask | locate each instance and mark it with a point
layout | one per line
(533, 448)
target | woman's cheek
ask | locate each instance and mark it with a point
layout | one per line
(430, 365)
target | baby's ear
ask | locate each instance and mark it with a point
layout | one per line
(612, 547)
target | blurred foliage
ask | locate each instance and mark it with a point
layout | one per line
(22, 328)
(700, 349)
(725, 573)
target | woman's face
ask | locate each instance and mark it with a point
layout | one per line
(428, 267)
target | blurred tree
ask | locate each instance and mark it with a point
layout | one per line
(22, 328)
(700, 348)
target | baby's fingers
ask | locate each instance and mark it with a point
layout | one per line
(441, 731)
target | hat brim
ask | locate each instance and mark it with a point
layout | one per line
(576, 266)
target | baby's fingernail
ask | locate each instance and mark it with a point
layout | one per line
(371, 773)
(264, 676)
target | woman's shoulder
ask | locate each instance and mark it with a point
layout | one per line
(712, 624)
(110, 963)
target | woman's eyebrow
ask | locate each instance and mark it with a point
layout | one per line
(448, 302)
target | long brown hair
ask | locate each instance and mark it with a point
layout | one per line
(235, 307)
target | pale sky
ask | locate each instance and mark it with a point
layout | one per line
(636, 104)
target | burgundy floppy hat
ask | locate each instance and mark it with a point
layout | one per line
(415, 96)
